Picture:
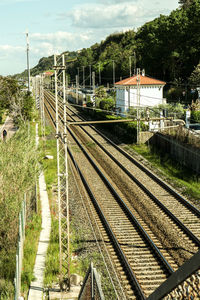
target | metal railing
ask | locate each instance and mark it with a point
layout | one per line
(182, 284)
(91, 288)
(19, 254)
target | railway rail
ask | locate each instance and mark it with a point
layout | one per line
(124, 221)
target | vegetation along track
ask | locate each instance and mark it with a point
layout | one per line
(158, 221)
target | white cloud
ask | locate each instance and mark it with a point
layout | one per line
(57, 42)
(58, 36)
(101, 16)
(11, 49)
(116, 14)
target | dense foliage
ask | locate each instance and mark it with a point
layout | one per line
(16, 100)
(17, 170)
(168, 48)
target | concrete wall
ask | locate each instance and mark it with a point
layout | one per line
(185, 154)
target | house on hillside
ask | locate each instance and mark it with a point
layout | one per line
(138, 91)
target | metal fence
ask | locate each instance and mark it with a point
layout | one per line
(91, 288)
(19, 255)
(182, 284)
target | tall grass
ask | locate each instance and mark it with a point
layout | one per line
(18, 169)
(182, 177)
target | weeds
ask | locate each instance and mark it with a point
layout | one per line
(33, 229)
(181, 176)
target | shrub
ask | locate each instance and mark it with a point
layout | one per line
(174, 94)
(195, 116)
(107, 104)
(18, 168)
(89, 103)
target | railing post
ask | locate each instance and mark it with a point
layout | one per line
(92, 281)
(17, 278)
(20, 244)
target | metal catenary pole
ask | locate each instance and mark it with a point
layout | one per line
(62, 174)
(138, 106)
(83, 77)
(42, 104)
(66, 168)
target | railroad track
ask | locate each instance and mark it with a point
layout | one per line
(150, 265)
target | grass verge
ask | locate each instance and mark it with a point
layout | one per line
(183, 178)
(33, 229)
(48, 145)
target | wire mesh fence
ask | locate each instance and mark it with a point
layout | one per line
(29, 204)
(91, 288)
(19, 254)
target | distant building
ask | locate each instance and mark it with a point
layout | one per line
(127, 91)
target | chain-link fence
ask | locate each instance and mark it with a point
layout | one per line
(91, 288)
(29, 204)
(19, 254)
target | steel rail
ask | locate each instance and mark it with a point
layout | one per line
(127, 211)
(133, 280)
(147, 171)
(155, 199)
(182, 200)
(123, 205)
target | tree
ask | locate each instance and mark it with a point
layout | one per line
(185, 3)
(16, 100)
(194, 78)
(100, 92)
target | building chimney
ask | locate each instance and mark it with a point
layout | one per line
(143, 72)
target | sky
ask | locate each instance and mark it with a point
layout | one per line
(55, 26)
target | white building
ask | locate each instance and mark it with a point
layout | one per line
(137, 91)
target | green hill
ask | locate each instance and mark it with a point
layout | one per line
(168, 48)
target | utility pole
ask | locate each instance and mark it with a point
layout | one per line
(27, 52)
(77, 87)
(113, 73)
(90, 75)
(99, 75)
(62, 174)
(78, 73)
(130, 66)
(93, 82)
(138, 106)
(134, 63)
(83, 77)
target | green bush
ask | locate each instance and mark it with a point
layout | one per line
(107, 104)
(195, 116)
(174, 94)
(6, 290)
(89, 103)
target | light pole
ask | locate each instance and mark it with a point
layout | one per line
(27, 52)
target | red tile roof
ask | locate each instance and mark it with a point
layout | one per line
(144, 80)
(48, 73)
